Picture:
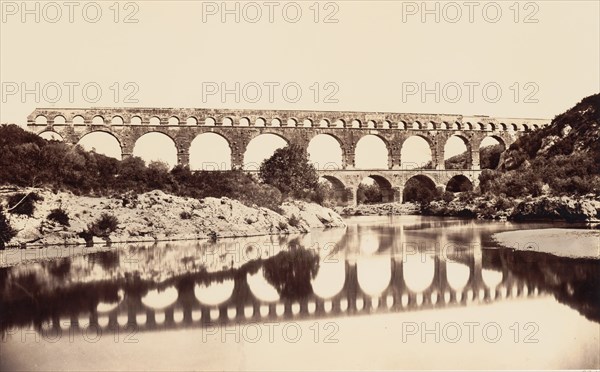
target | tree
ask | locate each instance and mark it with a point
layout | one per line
(290, 171)
(6, 230)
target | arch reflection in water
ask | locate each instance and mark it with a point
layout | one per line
(105, 306)
(214, 293)
(458, 274)
(374, 274)
(330, 279)
(419, 270)
(261, 288)
(160, 299)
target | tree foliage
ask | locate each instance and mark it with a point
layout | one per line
(28, 160)
(7, 232)
(290, 171)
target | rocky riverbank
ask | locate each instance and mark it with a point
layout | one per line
(379, 209)
(542, 208)
(157, 216)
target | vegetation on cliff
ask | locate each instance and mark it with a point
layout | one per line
(550, 173)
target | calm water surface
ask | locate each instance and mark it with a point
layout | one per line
(401, 292)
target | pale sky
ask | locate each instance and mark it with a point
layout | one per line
(358, 56)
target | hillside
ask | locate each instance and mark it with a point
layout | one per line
(560, 159)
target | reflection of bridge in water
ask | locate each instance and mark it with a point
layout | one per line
(243, 306)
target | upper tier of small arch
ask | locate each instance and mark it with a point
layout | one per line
(275, 118)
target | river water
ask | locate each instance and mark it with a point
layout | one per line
(400, 292)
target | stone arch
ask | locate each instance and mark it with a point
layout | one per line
(154, 121)
(51, 135)
(498, 138)
(372, 152)
(136, 120)
(173, 120)
(59, 120)
(525, 127)
(105, 147)
(210, 151)
(256, 151)
(385, 186)
(117, 120)
(191, 120)
(340, 192)
(467, 126)
(459, 183)
(386, 124)
(324, 123)
(339, 123)
(416, 125)
(78, 120)
(402, 125)
(292, 122)
(244, 122)
(98, 120)
(489, 157)
(322, 156)
(418, 187)
(260, 122)
(448, 153)
(275, 122)
(227, 122)
(503, 127)
(307, 123)
(41, 119)
(169, 149)
(371, 124)
(407, 152)
(355, 123)
(209, 121)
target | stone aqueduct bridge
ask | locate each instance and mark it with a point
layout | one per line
(239, 127)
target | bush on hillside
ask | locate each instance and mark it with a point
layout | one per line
(23, 204)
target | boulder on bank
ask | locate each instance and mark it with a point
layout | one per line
(156, 216)
(557, 208)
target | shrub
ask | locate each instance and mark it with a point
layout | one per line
(282, 225)
(290, 171)
(6, 230)
(59, 215)
(185, 215)
(104, 225)
(294, 221)
(447, 196)
(24, 204)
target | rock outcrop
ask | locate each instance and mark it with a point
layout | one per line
(157, 216)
